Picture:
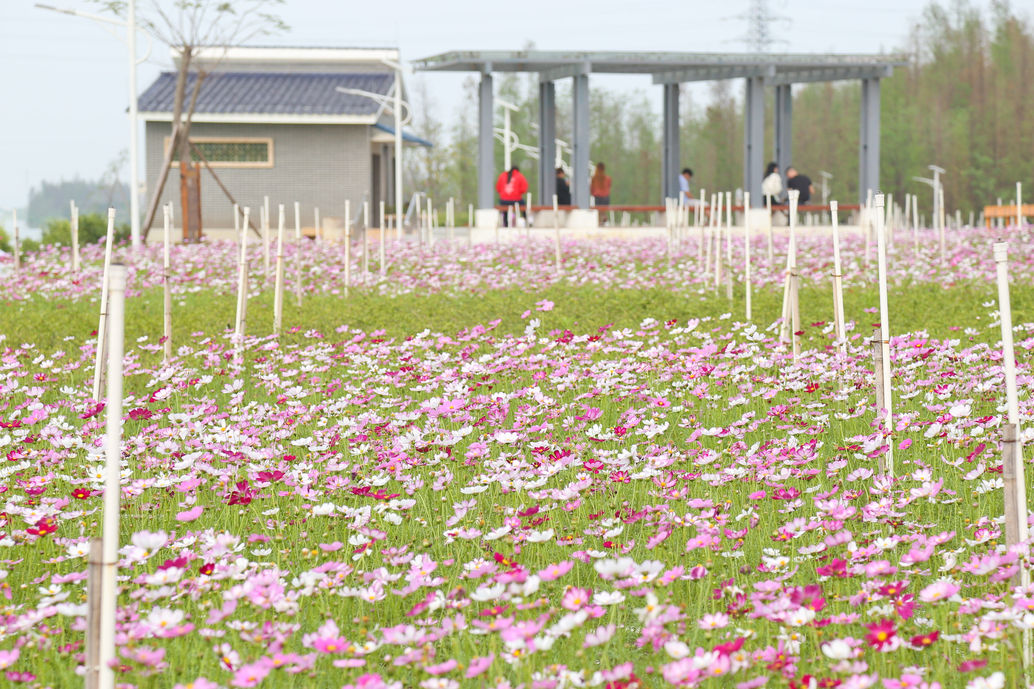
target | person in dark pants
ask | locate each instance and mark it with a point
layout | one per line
(512, 186)
(795, 180)
(563, 189)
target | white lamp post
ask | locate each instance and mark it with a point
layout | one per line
(396, 106)
(134, 165)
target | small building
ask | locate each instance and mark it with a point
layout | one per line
(272, 122)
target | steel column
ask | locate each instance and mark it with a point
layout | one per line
(783, 127)
(547, 142)
(754, 138)
(869, 139)
(671, 154)
(486, 146)
(580, 159)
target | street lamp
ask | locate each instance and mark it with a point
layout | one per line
(134, 172)
(508, 107)
(396, 105)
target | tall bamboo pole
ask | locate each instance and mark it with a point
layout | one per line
(278, 284)
(838, 285)
(112, 472)
(98, 369)
(75, 238)
(881, 257)
(747, 232)
(298, 247)
(166, 287)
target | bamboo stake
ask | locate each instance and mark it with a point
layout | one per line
(265, 236)
(167, 292)
(881, 256)
(470, 225)
(298, 254)
(795, 279)
(939, 219)
(112, 470)
(556, 233)
(74, 227)
(242, 288)
(17, 245)
(1019, 205)
(878, 366)
(380, 243)
(728, 245)
(703, 229)
(318, 230)
(1001, 256)
(430, 227)
(98, 369)
(746, 252)
(915, 225)
(366, 239)
(348, 247)
(838, 286)
(94, 577)
(452, 224)
(278, 288)
(771, 250)
(717, 239)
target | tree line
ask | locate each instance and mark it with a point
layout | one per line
(963, 102)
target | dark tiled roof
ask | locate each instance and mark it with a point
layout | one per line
(272, 93)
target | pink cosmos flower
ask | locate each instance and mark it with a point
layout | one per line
(478, 665)
(576, 598)
(190, 515)
(555, 571)
(939, 590)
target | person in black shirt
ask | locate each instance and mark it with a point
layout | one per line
(563, 190)
(795, 180)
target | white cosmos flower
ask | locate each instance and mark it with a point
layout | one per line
(676, 649)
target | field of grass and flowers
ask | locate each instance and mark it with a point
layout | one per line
(482, 473)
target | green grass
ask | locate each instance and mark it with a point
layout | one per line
(579, 309)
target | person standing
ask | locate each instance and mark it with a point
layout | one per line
(772, 184)
(802, 183)
(512, 186)
(684, 192)
(563, 189)
(599, 187)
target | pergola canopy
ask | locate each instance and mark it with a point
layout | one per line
(669, 69)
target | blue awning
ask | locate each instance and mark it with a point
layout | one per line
(406, 136)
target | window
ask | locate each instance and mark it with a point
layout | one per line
(240, 152)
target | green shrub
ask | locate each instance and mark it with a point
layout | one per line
(92, 227)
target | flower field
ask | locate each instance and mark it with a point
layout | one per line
(555, 481)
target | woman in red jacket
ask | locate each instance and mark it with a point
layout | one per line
(512, 186)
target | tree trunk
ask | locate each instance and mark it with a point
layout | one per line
(180, 132)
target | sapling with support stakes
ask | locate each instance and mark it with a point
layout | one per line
(112, 471)
(888, 393)
(102, 326)
(838, 286)
(166, 291)
(278, 287)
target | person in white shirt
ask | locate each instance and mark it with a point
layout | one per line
(772, 184)
(684, 193)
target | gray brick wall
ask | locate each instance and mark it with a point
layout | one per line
(316, 165)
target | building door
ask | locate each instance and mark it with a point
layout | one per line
(375, 185)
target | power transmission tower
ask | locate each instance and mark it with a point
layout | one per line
(760, 21)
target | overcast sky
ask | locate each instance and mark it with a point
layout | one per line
(64, 80)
